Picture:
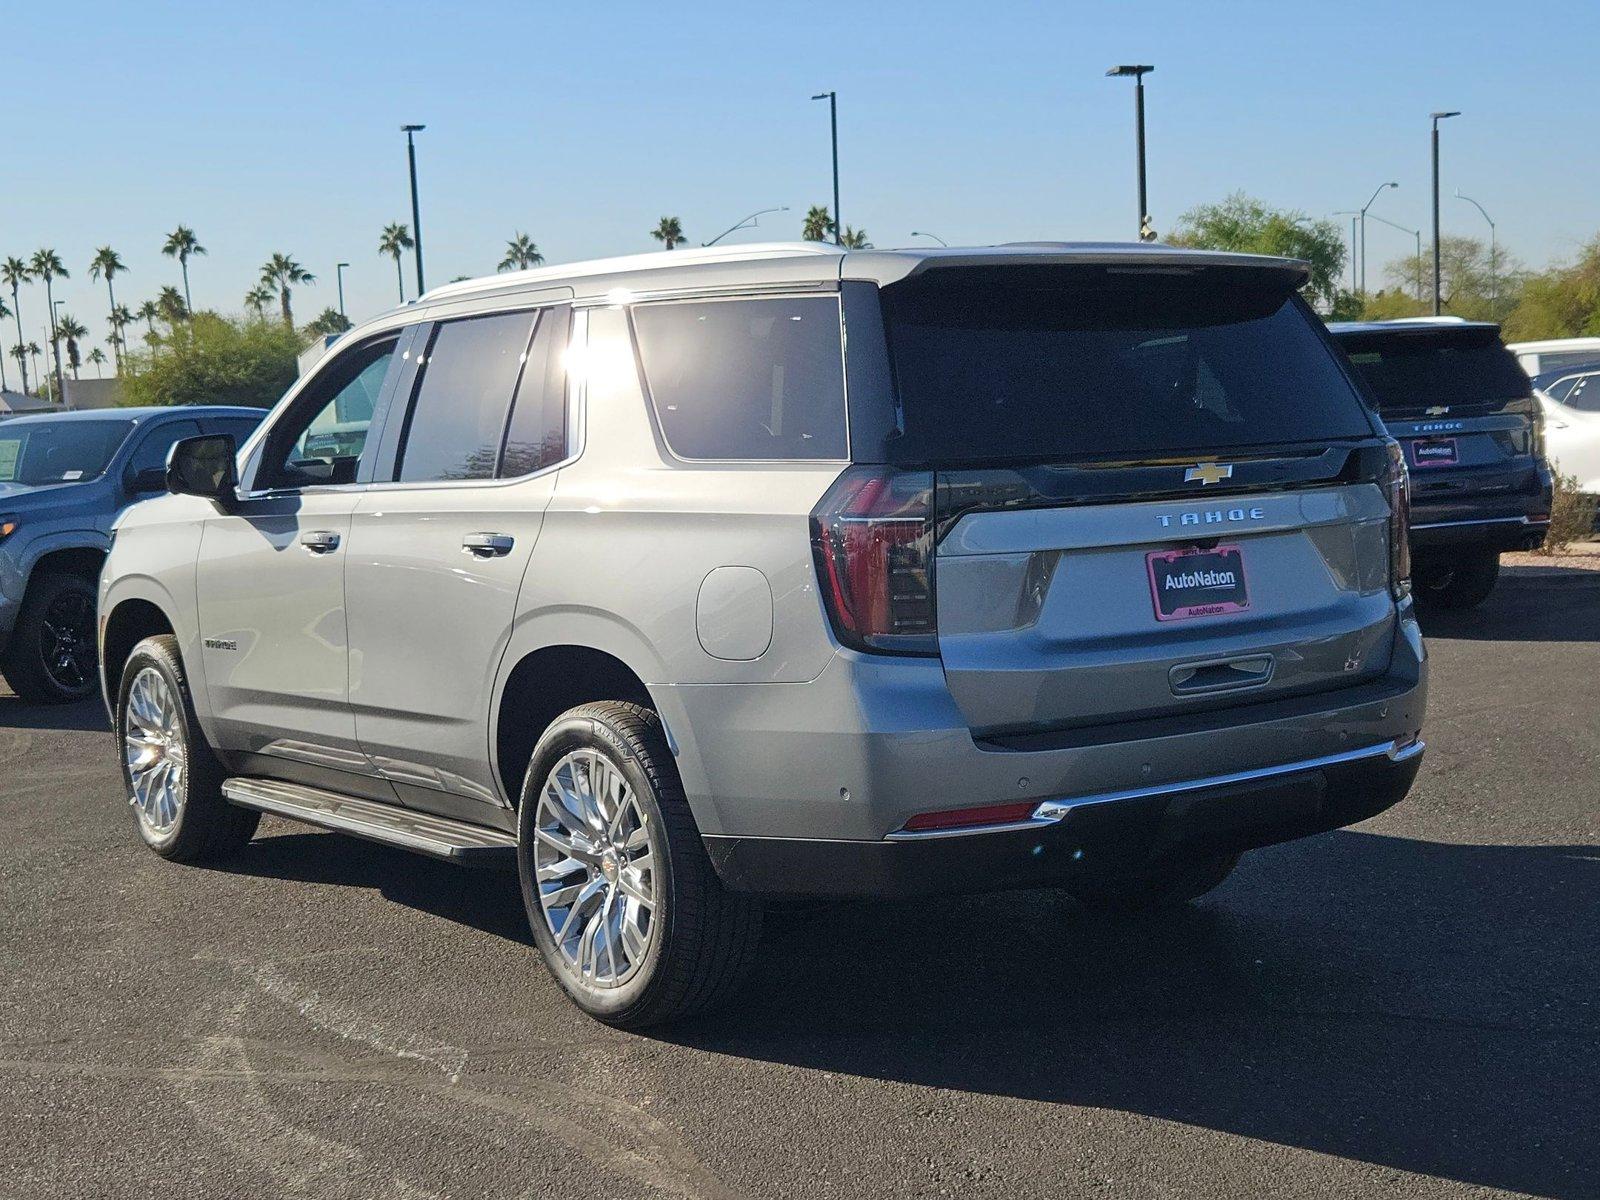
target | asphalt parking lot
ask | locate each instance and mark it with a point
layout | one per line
(1408, 1008)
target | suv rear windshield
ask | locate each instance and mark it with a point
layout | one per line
(1059, 362)
(1413, 368)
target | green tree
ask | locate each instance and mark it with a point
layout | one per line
(182, 245)
(106, 265)
(215, 360)
(1247, 225)
(72, 331)
(281, 272)
(148, 312)
(121, 318)
(668, 231)
(521, 253)
(1563, 301)
(20, 353)
(854, 239)
(818, 225)
(46, 266)
(1472, 284)
(33, 352)
(4, 313)
(15, 273)
(394, 241)
(328, 322)
(170, 304)
(97, 356)
(257, 300)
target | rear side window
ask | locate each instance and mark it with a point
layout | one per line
(458, 415)
(537, 436)
(757, 379)
(1421, 369)
(1058, 362)
(1584, 394)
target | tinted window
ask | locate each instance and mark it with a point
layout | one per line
(37, 453)
(240, 427)
(1056, 362)
(1412, 369)
(1585, 394)
(151, 454)
(321, 439)
(537, 436)
(746, 379)
(458, 416)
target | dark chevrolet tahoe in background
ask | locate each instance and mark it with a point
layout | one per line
(1456, 400)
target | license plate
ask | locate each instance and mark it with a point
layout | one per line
(1433, 452)
(1197, 583)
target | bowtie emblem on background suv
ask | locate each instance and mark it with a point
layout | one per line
(1438, 410)
(1208, 473)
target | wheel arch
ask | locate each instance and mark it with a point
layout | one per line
(125, 624)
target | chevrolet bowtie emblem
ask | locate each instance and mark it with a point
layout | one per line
(1208, 473)
(1438, 410)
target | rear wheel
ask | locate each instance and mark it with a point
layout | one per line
(1462, 579)
(625, 907)
(1164, 888)
(50, 658)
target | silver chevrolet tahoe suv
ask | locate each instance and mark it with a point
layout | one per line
(694, 578)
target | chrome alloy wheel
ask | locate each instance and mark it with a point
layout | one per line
(154, 750)
(595, 859)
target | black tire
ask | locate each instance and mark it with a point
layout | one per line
(1460, 580)
(702, 938)
(1155, 890)
(206, 827)
(51, 656)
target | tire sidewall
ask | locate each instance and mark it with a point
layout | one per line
(593, 732)
(31, 641)
(148, 654)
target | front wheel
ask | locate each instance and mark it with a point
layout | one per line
(1165, 887)
(625, 907)
(51, 658)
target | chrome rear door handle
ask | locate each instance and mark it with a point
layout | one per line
(320, 541)
(488, 545)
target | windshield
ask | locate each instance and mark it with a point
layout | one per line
(36, 453)
(1059, 362)
(1438, 367)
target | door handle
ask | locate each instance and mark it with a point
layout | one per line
(320, 541)
(488, 545)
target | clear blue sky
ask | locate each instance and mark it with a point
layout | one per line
(275, 127)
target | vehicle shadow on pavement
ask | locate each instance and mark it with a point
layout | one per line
(1531, 604)
(87, 716)
(1418, 1005)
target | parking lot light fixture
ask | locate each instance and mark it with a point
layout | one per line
(338, 269)
(1354, 245)
(934, 236)
(1416, 233)
(1375, 193)
(1494, 290)
(752, 221)
(833, 122)
(416, 216)
(1438, 306)
(1138, 71)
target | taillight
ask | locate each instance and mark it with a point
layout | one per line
(873, 539)
(1397, 489)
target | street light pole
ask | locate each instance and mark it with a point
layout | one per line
(1416, 233)
(934, 236)
(59, 392)
(1364, 208)
(1138, 71)
(338, 269)
(1438, 306)
(833, 122)
(750, 220)
(1354, 248)
(1494, 290)
(416, 213)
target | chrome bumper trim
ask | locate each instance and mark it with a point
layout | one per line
(1480, 521)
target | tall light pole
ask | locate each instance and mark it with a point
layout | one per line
(934, 236)
(1354, 246)
(743, 221)
(833, 121)
(416, 214)
(1138, 71)
(1364, 208)
(338, 269)
(1438, 305)
(1416, 233)
(59, 393)
(1494, 290)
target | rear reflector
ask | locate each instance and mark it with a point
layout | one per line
(961, 818)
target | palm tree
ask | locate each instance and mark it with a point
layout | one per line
(521, 253)
(395, 241)
(15, 273)
(855, 239)
(182, 245)
(20, 353)
(329, 322)
(121, 318)
(170, 304)
(70, 330)
(105, 265)
(47, 265)
(148, 312)
(33, 352)
(4, 313)
(818, 224)
(98, 357)
(280, 272)
(669, 230)
(257, 299)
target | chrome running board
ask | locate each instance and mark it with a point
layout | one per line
(438, 837)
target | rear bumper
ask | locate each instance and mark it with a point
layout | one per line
(1498, 509)
(1495, 533)
(1109, 835)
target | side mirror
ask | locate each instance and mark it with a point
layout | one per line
(205, 466)
(151, 479)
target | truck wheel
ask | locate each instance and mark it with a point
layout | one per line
(1164, 888)
(51, 658)
(626, 909)
(173, 777)
(1461, 580)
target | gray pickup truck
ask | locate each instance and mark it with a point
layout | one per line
(64, 477)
